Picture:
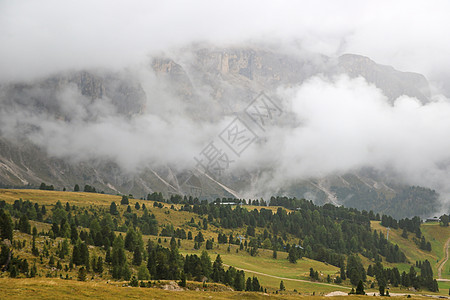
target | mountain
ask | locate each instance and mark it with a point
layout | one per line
(211, 82)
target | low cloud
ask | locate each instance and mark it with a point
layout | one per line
(331, 126)
(345, 124)
(39, 38)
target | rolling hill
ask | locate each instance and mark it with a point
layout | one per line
(269, 271)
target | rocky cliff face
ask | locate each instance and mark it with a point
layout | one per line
(127, 96)
(392, 82)
(211, 82)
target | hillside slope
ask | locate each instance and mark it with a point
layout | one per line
(269, 270)
(433, 232)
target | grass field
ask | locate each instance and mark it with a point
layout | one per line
(44, 288)
(444, 287)
(51, 197)
(438, 235)
(165, 215)
(268, 270)
(280, 267)
(434, 233)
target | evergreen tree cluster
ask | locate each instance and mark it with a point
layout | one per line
(167, 263)
(15, 265)
(408, 225)
(80, 254)
(45, 187)
(385, 276)
(445, 219)
(328, 233)
(155, 197)
(6, 226)
(33, 211)
(89, 189)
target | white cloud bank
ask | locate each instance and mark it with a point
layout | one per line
(40, 37)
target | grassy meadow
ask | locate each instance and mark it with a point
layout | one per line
(269, 271)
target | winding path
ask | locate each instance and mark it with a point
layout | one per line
(443, 262)
(284, 278)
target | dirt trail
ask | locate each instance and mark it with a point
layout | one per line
(284, 278)
(443, 262)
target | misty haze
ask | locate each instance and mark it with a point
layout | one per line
(324, 105)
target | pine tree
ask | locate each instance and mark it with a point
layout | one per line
(82, 274)
(131, 240)
(217, 270)
(405, 233)
(137, 257)
(205, 262)
(24, 224)
(99, 265)
(113, 208)
(360, 288)
(342, 271)
(255, 284)
(64, 249)
(209, 244)
(126, 272)
(73, 233)
(355, 270)
(239, 281)
(370, 270)
(33, 271)
(13, 271)
(124, 200)
(292, 256)
(108, 255)
(119, 259)
(248, 285)
(134, 282)
(51, 262)
(183, 279)
(6, 226)
(143, 273)
(381, 290)
(282, 287)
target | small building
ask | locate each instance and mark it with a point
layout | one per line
(240, 238)
(433, 219)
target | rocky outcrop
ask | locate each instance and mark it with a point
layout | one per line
(393, 83)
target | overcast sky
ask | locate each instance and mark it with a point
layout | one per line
(38, 37)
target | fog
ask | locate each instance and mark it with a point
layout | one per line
(38, 38)
(346, 124)
(337, 124)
